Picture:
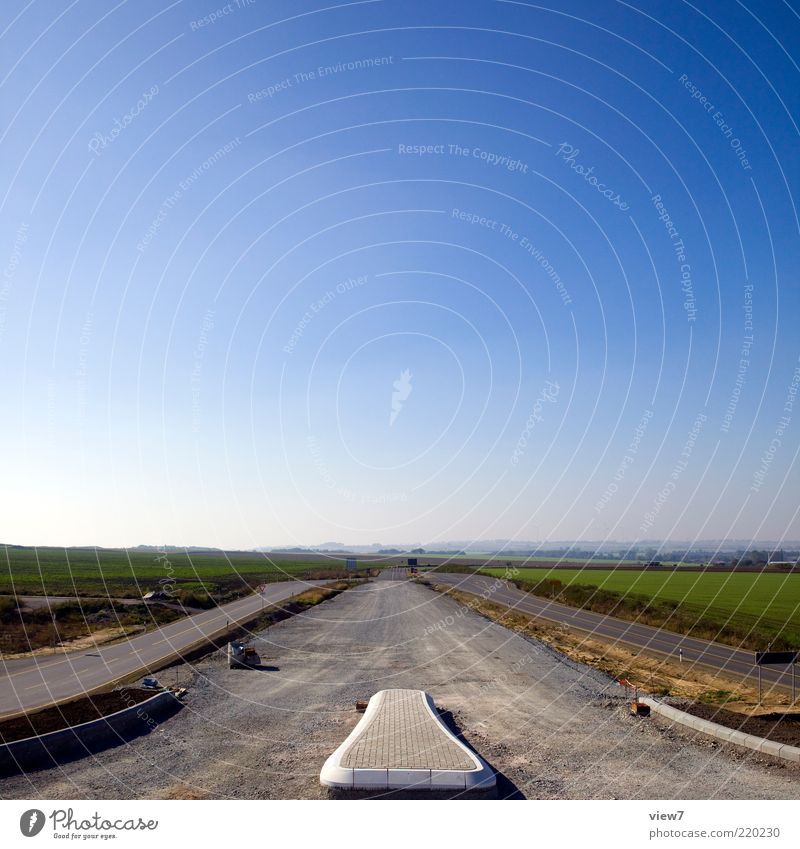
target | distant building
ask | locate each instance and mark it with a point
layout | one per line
(785, 565)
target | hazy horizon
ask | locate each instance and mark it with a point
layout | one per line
(451, 546)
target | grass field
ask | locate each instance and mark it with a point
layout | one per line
(755, 606)
(567, 561)
(129, 574)
(525, 561)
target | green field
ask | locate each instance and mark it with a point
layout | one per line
(766, 604)
(775, 597)
(518, 558)
(546, 560)
(130, 574)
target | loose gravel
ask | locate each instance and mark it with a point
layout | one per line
(552, 728)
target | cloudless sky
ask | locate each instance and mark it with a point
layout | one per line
(229, 230)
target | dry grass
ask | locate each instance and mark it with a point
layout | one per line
(105, 635)
(320, 594)
(75, 623)
(185, 792)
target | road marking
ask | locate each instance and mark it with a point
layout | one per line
(729, 659)
(136, 656)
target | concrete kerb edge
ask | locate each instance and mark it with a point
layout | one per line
(722, 732)
(335, 776)
(77, 740)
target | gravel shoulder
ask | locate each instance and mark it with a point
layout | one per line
(552, 728)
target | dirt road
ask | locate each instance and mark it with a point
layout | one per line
(552, 728)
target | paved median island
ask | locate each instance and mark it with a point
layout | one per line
(401, 743)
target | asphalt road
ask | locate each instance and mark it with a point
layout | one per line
(716, 656)
(551, 728)
(31, 683)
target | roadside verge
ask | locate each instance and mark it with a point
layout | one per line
(722, 732)
(211, 641)
(77, 741)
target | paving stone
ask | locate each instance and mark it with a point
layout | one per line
(403, 735)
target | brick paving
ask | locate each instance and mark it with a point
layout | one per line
(403, 735)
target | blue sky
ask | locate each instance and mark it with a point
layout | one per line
(228, 230)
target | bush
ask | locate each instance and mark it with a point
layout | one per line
(195, 598)
(8, 609)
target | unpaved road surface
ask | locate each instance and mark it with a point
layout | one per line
(695, 652)
(551, 728)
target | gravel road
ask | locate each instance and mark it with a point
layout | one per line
(552, 728)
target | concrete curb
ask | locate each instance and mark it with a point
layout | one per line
(722, 732)
(77, 741)
(174, 654)
(479, 777)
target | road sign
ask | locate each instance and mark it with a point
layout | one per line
(765, 658)
(351, 563)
